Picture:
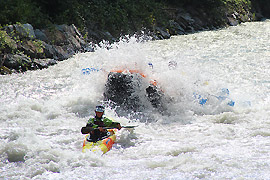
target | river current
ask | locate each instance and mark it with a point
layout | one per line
(218, 125)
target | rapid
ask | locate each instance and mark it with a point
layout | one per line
(42, 112)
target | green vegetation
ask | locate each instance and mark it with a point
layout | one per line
(264, 5)
(94, 18)
(116, 16)
(6, 43)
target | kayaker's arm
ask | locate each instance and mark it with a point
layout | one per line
(87, 130)
(110, 123)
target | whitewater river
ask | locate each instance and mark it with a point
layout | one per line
(217, 125)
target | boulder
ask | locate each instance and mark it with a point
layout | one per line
(41, 35)
(49, 51)
(44, 63)
(61, 54)
(34, 49)
(25, 31)
(175, 28)
(44, 47)
(17, 62)
(4, 70)
(56, 37)
(7, 43)
(232, 19)
(73, 41)
(162, 34)
(9, 29)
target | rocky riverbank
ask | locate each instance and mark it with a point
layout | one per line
(24, 48)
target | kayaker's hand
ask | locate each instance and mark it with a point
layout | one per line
(101, 129)
(119, 126)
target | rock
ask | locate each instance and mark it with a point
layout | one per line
(44, 47)
(4, 70)
(69, 50)
(107, 35)
(41, 35)
(163, 34)
(17, 62)
(175, 28)
(186, 18)
(232, 21)
(25, 31)
(56, 37)
(34, 49)
(44, 63)
(49, 51)
(73, 41)
(7, 43)
(61, 54)
(9, 29)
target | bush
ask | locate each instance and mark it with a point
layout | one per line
(115, 16)
(24, 11)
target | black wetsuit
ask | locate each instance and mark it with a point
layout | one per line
(92, 128)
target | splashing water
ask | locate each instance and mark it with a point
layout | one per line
(203, 135)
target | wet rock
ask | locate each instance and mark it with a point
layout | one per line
(4, 70)
(175, 28)
(232, 21)
(61, 54)
(9, 29)
(17, 61)
(162, 34)
(44, 63)
(26, 48)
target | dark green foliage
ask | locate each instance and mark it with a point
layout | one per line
(120, 15)
(23, 11)
(115, 16)
(195, 3)
(263, 6)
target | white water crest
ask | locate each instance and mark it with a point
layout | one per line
(42, 112)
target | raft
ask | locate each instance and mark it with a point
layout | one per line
(103, 145)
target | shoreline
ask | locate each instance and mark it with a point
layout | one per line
(25, 48)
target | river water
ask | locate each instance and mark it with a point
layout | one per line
(225, 137)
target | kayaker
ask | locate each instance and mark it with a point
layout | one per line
(95, 125)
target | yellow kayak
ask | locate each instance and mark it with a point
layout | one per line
(104, 145)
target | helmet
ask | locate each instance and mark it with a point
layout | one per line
(100, 108)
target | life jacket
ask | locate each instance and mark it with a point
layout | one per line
(101, 122)
(96, 121)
